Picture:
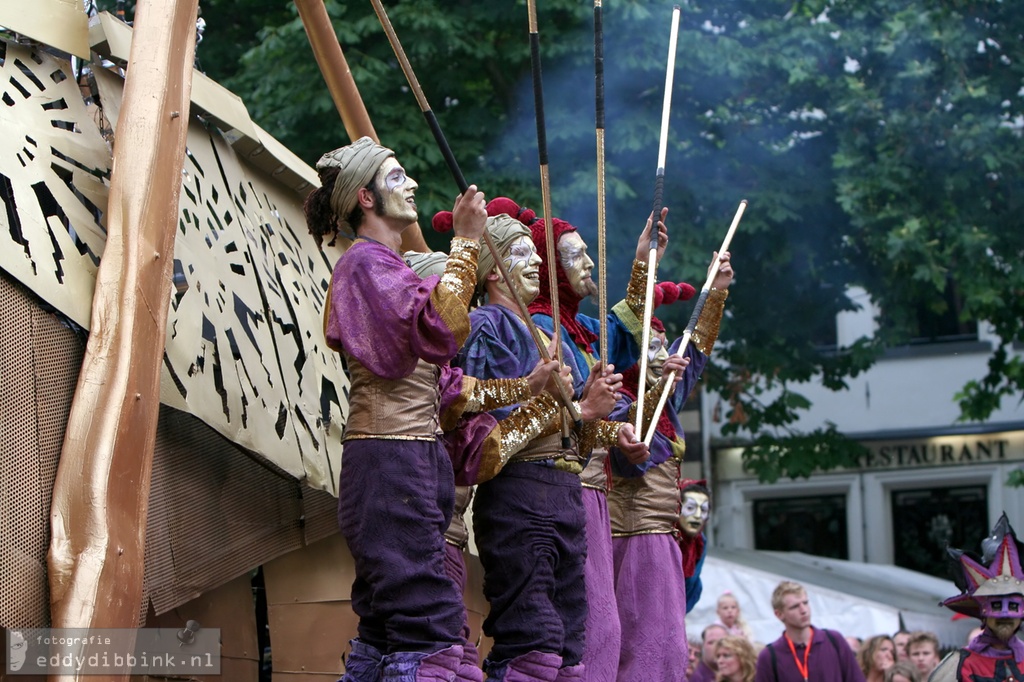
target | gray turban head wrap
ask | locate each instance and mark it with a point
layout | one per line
(426, 264)
(504, 230)
(357, 163)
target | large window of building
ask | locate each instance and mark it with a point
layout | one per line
(943, 326)
(813, 525)
(926, 521)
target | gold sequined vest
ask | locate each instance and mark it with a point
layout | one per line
(593, 475)
(394, 409)
(645, 504)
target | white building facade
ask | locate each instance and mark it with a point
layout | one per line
(927, 481)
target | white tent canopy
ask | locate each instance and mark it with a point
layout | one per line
(854, 598)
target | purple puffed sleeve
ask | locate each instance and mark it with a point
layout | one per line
(382, 313)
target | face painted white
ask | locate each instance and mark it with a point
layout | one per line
(522, 262)
(694, 513)
(657, 354)
(397, 191)
(394, 178)
(572, 252)
(519, 253)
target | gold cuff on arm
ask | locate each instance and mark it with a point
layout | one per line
(459, 275)
(636, 290)
(490, 394)
(706, 331)
(597, 434)
(651, 399)
(515, 431)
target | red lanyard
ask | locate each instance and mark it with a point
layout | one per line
(802, 667)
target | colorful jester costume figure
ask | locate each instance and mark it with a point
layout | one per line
(529, 519)
(397, 333)
(574, 268)
(644, 505)
(992, 589)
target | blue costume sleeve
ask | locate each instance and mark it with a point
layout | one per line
(623, 350)
(500, 347)
(691, 375)
(486, 355)
(694, 587)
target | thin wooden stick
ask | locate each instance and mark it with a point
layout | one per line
(460, 180)
(659, 186)
(697, 308)
(545, 189)
(602, 256)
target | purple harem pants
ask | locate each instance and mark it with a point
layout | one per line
(530, 530)
(651, 596)
(395, 500)
(604, 632)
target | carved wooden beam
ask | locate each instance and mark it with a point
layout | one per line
(101, 493)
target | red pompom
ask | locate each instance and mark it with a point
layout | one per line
(671, 290)
(527, 216)
(443, 221)
(505, 205)
(500, 205)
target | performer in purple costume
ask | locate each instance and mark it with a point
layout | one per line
(644, 503)
(529, 519)
(574, 267)
(992, 589)
(398, 332)
(479, 445)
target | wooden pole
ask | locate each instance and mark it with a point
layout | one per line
(659, 186)
(602, 248)
(334, 68)
(101, 492)
(545, 192)
(342, 86)
(697, 308)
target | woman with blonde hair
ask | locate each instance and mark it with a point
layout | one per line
(728, 610)
(736, 659)
(876, 655)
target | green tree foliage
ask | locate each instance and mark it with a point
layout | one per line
(878, 142)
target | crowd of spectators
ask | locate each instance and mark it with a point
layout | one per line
(727, 652)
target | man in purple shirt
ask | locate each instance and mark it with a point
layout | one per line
(804, 653)
(705, 670)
